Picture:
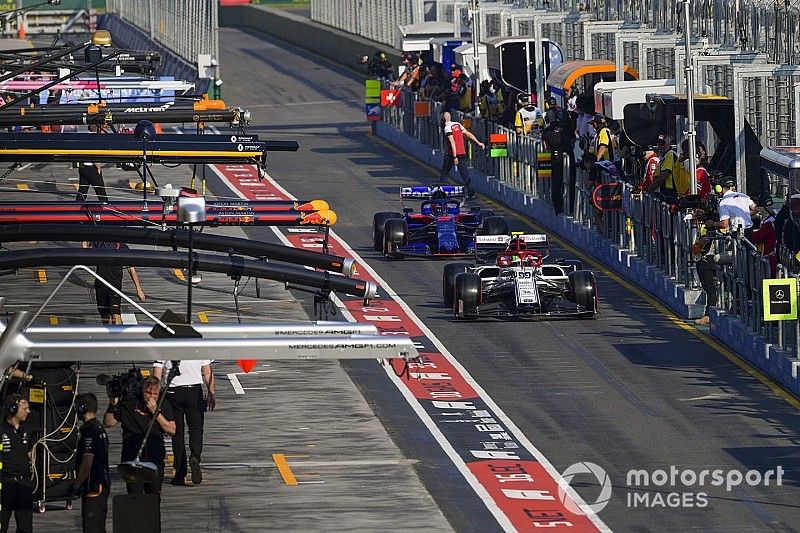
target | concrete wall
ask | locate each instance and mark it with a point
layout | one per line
(338, 46)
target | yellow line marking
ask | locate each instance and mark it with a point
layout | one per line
(283, 468)
(23, 186)
(202, 317)
(179, 273)
(53, 320)
(42, 275)
(703, 337)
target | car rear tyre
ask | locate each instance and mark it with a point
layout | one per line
(494, 225)
(378, 223)
(451, 270)
(395, 235)
(582, 291)
(467, 297)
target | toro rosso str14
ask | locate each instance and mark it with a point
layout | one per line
(520, 283)
(441, 227)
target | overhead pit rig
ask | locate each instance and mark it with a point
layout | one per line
(170, 218)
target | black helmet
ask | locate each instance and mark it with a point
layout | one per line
(728, 181)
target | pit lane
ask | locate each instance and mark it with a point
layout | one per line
(629, 390)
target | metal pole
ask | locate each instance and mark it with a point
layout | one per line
(476, 62)
(190, 271)
(689, 71)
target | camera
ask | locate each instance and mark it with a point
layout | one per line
(125, 386)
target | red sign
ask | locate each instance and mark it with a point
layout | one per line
(390, 97)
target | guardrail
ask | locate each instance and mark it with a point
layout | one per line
(647, 227)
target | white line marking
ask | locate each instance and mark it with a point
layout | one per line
(501, 517)
(177, 130)
(214, 129)
(237, 387)
(129, 319)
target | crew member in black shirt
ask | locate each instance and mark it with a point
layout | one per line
(135, 415)
(15, 445)
(93, 481)
(108, 301)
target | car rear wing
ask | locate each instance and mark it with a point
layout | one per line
(535, 241)
(426, 193)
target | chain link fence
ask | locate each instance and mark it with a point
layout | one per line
(188, 28)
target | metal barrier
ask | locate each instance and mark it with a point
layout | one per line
(189, 28)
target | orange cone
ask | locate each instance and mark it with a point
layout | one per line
(22, 34)
(158, 129)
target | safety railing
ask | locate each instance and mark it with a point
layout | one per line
(645, 226)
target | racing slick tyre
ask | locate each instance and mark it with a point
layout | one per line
(378, 223)
(395, 235)
(467, 297)
(451, 270)
(494, 225)
(582, 290)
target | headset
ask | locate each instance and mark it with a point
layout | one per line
(80, 408)
(11, 405)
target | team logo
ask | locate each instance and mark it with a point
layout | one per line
(602, 478)
(240, 147)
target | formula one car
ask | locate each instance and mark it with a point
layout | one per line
(441, 227)
(519, 283)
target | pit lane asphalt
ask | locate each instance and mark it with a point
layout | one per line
(628, 390)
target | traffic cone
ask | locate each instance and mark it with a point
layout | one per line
(158, 129)
(22, 34)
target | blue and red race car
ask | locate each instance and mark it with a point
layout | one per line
(441, 228)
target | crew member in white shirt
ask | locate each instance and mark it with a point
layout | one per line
(185, 395)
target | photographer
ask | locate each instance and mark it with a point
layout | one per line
(135, 415)
(92, 481)
(705, 248)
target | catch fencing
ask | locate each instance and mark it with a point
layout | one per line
(188, 28)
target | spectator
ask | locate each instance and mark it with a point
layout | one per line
(790, 230)
(735, 209)
(16, 495)
(92, 480)
(435, 86)
(765, 237)
(379, 66)
(651, 163)
(185, 395)
(135, 416)
(703, 177)
(668, 180)
(460, 91)
(604, 144)
(528, 118)
(108, 301)
(455, 153)
(408, 68)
